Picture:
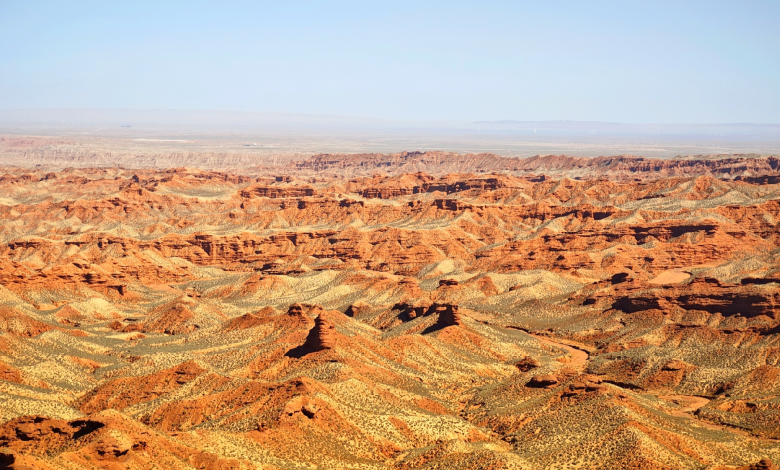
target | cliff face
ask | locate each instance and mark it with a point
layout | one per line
(193, 319)
(704, 295)
(661, 231)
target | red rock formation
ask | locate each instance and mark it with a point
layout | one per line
(105, 442)
(123, 392)
(411, 310)
(671, 285)
(39, 434)
(702, 294)
(10, 373)
(584, 384)
(358, 309)
(276, 192)
(542, 381)
(173, 319)
(449, 315)
(296, 311)
(388, 188)
(320, 338)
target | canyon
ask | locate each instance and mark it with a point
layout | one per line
(416, 310)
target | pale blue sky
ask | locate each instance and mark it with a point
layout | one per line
(622, 61)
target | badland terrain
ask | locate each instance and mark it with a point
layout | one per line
(417, 310)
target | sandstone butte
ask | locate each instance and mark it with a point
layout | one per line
(406, 311)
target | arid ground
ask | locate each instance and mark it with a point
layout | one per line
(194, 309)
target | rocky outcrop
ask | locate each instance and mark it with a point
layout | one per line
(702, 294)
(277, 192)
(10, 373)
(120, 393)
(542, 381)
(320, 338)
(358, 309)
(299, 311)
(38, 434)
(388, 188)
(108, 442)
(527, 364)
(449, 315)
(411, 310)
(584, 385)
(172, 319)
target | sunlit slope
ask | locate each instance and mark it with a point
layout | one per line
(209, 320)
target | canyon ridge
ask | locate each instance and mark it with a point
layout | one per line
(415, 310)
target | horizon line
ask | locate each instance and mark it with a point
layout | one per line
(399, 120)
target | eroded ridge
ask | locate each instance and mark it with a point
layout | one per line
(200, 319)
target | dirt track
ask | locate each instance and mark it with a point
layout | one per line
(579, 357)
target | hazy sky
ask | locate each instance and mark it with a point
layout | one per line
(622, 61)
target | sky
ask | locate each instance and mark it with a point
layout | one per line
(622, 61)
